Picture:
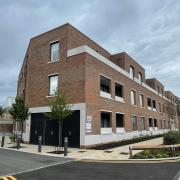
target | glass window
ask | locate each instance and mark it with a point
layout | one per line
(119, 120)
(53, 85)
(131, 72)
(158, 90)
(150, 122)
(149, 102)
(164, 124)
(155, 123)
(105, 84)
(105, 119)
(143, 123)
(54, 51)
(163, 108)
(161, 125)
(141, 100)
(162, 92)
(159, 107)
(118, 90)
(133, 97)
(154, 104)
(134, 123)
(140, 78)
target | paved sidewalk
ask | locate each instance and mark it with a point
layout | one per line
(118, 153)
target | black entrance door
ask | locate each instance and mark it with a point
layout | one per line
(51, 133)
(37, 127)
(71, 129)
(48, 129)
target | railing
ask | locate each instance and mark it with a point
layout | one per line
(172, 148)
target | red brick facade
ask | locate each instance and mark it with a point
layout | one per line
(79, 78)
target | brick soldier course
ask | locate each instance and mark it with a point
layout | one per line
(111, 92)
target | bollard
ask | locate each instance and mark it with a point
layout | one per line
(18, 141)
(3, 140)
(65, 146)
(39, 143)
(130, 152)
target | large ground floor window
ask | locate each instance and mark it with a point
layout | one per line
(134, 123)
(142, 123)
(119, 120)
(155, 123)
(150, 122)
(106, 119)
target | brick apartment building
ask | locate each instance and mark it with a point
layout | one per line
(111, 97)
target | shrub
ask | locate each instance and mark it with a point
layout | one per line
(125, 142)
(172, 137)
(13, 137)
(149, 154)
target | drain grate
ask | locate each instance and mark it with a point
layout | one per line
(82, 151)
(108, 151)
(124, 153)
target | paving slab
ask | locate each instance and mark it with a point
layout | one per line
(118, 153)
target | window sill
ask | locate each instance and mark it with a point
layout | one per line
(133, 105)
(150, 108)
(106, 131)
(51, 96)
(105, 95)
(120, 130)
(119, 99)
(53, 61)
(142, 107)
(150, 128)
(154, 110)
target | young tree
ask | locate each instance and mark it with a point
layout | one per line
(19, 112)
(2, 111)
(59, 111)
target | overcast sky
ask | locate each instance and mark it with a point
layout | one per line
(148, 30)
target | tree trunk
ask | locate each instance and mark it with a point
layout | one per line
(60, 133)
(21, 123)
(14, 126)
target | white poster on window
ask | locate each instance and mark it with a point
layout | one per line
(89, 124)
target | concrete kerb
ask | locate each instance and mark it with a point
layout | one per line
(159, 160)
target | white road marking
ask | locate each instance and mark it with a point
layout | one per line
(35, 169)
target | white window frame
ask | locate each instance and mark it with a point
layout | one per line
(51, 52)
(106, 130)
(133, 97)
(131, 72)
(141, 100)
(144, 123)
(121, 129)
(140, 77)
(118, 98)
(133, 115)
(57, 84)
(103, 93)
(149, 107)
